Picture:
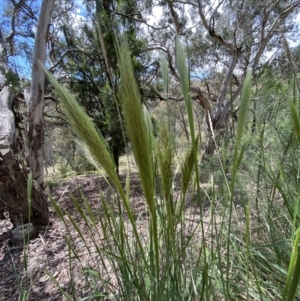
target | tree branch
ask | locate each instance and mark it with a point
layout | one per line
(210, 27)
(224, 87)
(139, 20)
(175, 17)
(187, 2)
(65, 54)
(10, 37)
(265, 40)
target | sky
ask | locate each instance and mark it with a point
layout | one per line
(24, 69)
(79, 17)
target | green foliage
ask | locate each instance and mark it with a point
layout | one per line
(93, 74)
(52, 184)
(12, 79)
(240, 253)
(63, 170)
(85, 130)
(89, 79)
(83, 165)
(150, 265)
(242, 243)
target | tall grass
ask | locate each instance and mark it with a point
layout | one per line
(224, 255)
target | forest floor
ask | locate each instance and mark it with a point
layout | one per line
(47, 256)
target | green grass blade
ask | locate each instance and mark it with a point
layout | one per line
(29, 195)
(164, 69)
(293, 276)
(165, 155)
(185, 85)
(86, 131)
(242, 117)
(187, 168)
(296, 119)
(29, 190)
(183, 70)
(139, 129)
(239, 150)
(138, 124)
(241, 153)
(181, 63)
(65, 294)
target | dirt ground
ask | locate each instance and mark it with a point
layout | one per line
(48, 254)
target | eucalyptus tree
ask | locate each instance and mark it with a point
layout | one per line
(13, 181)
(18, 21)
(231, 36)
(35, 102)
(87, 62)
(285, 66)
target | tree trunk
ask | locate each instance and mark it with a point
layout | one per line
(36, 99)
(7, 118)
(13, 194)
(13, 179)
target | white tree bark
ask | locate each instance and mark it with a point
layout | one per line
(3, 58)
(36, 98)
(13, 179)
(7, 119)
